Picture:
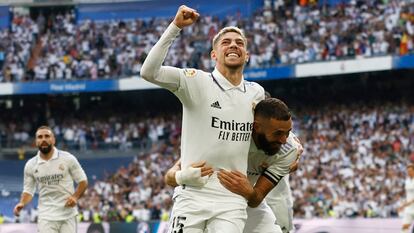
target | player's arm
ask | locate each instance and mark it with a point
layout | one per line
(407, 203)
(299, 147)
(272, 175)
(24, 200)
(79, 176)
(195, 175)
(152, 69)
(80, 190)
(29, 187)
(238, 183)
(169, 177)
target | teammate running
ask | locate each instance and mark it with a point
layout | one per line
(53, 171)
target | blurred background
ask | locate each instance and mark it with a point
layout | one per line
(344, 67)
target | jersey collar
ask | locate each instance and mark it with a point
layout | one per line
(54, 156)
(225, 84)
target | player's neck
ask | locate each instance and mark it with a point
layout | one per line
(234, 76)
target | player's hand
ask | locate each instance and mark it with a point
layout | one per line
(206, 170)
(18, 208)
(71, 201)
(295, 165)
(185, 16)
(196, 175)
(236, 182)
(299, 146)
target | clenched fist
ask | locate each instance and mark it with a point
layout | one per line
(185, 16)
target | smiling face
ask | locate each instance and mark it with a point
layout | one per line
(270, 134)
(45, 140)
(229, 50)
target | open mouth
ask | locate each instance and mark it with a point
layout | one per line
(236, 55)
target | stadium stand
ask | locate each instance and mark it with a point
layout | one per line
(357, 130)
(292, 33)
(358, 141)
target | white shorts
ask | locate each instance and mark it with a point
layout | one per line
(261, 220)
(283, 211)
(63, 226)
(203, 210)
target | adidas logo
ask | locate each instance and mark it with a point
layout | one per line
(216, 105)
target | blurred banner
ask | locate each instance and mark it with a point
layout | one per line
(4, 17)
(359, 225)
(116, 227)
(150, 9)
(32, 228)
(306, 70)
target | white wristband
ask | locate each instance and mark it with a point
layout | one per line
(190, 176)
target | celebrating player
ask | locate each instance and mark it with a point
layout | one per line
(274, 152)
(53, 171)
(217, 124)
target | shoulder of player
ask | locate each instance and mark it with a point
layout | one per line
(31, 162)
(253, 85)
(256, 89)
(287, 148)
(65, 155)
(194, 73)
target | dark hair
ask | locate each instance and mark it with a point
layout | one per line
(44, 127)
(273, 108)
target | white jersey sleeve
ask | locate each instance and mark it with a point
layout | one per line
(165, 76)
(186, 84)
(284, 159)
(29, 182)
(76, 171)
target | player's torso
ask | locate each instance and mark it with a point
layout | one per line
(52, 177)
(409, 188)
(217, 127)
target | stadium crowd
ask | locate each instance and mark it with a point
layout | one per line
(354, 155)
(352, 166)
(292, 33)
(117, 132)
(354, 161)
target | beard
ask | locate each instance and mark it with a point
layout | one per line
(45, 149)
(266, 146)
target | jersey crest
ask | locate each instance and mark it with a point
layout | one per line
(190, 73)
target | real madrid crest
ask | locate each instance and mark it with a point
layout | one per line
(189, 73)
(61, 167)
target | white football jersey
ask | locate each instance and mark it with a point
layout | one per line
(217, 116)
(54, 180)
(409, 190)
(273, 167)
(279, 200)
